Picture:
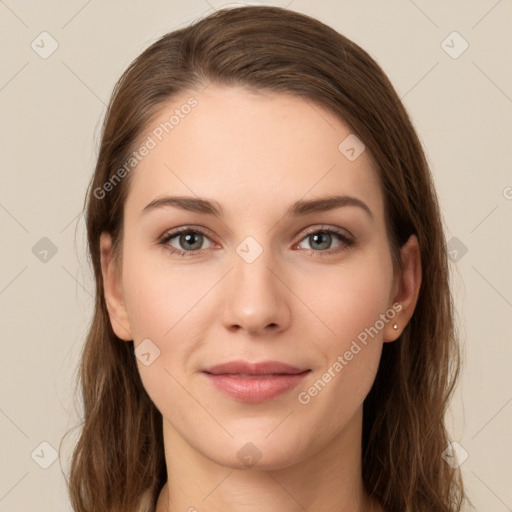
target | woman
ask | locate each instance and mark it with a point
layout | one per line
(273, 322)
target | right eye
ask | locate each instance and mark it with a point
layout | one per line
(187, 236)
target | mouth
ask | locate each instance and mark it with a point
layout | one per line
(255, 382)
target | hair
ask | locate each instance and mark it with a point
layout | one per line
(119, 456)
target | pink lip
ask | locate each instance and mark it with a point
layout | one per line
(255, 382)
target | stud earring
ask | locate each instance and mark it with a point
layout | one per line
(395, 326)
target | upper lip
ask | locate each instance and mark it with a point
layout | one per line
(247, 368)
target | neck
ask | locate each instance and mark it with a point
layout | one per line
(327, 481)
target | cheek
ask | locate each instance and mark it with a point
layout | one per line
(170, 307)
(158, 297)
(352, 298)
(160, 304)
(351, 304)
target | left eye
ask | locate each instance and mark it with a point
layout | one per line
(323, 239)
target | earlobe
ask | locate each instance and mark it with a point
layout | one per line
(113, 290)
(408, 285)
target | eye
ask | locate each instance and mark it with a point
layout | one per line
(189, 239)
(322, 238)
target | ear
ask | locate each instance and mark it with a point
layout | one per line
(113, 290)
(406, 289)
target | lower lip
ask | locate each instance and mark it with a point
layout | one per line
(256, 389)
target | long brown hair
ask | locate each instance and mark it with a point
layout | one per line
(119, 457)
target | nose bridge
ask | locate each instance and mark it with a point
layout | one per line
(255, 297)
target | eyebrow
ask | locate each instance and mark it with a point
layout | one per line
(297, 209)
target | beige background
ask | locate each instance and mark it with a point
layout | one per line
(51, 109)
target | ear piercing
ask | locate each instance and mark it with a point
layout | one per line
(395, 326)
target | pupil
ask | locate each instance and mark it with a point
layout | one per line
(317, 236)
(190, 236)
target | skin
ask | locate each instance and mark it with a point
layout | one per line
(298, 302)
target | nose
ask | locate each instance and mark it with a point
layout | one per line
(256, 297)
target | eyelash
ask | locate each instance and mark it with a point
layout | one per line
(346, 242)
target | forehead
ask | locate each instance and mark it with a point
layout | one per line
(242, 147)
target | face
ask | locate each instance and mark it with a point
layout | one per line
(276, 276)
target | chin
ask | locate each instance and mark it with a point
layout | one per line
(258, 453)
